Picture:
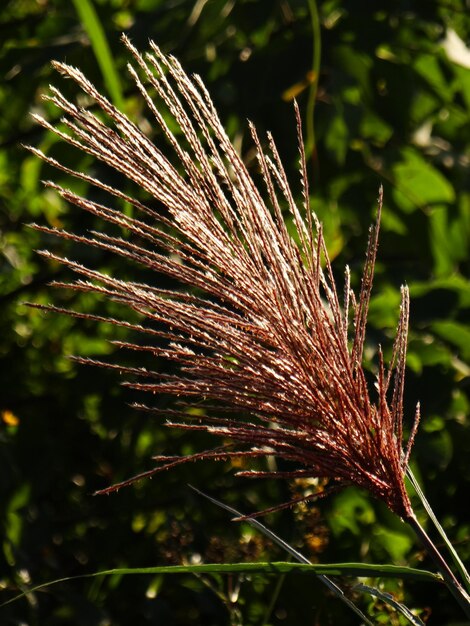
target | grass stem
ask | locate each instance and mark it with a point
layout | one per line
(451, 581)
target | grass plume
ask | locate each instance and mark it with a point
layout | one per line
(266, 337)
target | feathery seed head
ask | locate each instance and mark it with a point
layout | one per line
(263, 340)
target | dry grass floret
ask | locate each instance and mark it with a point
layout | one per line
(266, 335)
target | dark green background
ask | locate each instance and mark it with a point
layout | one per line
(391, 108)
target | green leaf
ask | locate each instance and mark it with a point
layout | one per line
(454, 283)
(423, 106)
(418, 184)
(427, 66)
(397, 544)
(439, 239)
(375, 128)
(351, 510)
(455, 333)
(361, 570)
(463, 82)
(357, 65)
(337, 138)
(425, 353)
(383, 308)
(449, 236)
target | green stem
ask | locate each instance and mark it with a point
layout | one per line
(91, 23)
(451, 581)
(310, 143)
(455, 557)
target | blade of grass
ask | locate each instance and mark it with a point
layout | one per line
(455, 557)
(323, 577)
(389, 599)
(91, 23)
(277, 568)
(453, 585)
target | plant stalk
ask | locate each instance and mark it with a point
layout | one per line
(310, 140)
(450, 580)
(459, 566)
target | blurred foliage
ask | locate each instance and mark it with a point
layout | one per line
(392, 107)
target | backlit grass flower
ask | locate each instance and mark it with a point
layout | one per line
(256, 327)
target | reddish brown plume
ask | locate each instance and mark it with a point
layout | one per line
(256, 327)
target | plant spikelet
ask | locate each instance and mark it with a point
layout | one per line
(255, 326)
